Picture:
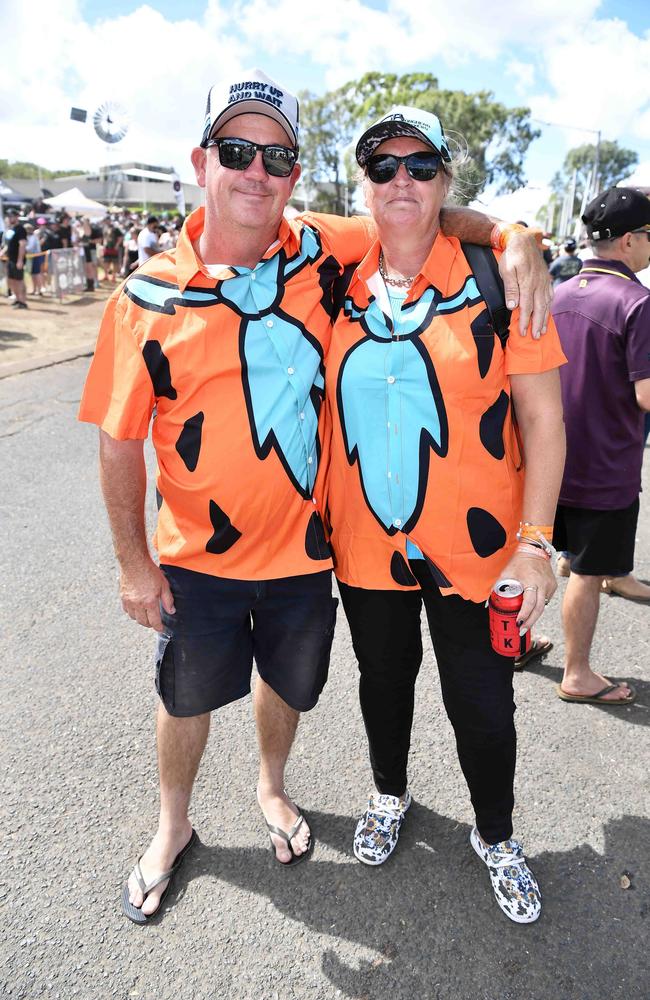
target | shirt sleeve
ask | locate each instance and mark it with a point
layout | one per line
(118, 394)
(637, 341)
(347, 239)
(525, 355)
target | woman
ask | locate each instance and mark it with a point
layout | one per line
(426, 491)
(35, 257)
(112, 239)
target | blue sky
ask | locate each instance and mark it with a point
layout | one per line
(158, 60)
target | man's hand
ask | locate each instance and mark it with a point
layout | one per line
(143, 588)
(527, 282)
(538, 581)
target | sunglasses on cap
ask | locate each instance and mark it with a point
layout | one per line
(382, 167)
(238, 154)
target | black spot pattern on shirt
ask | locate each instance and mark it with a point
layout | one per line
(438, 576)
(483, 334)
(491, 426)
(400, 572)
(225, 534)
(188, 445)
(316, 545)
(158, 367)
(486, 533)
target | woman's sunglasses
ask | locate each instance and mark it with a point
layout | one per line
(420, 166)
(237, 154)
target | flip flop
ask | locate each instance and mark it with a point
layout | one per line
(295, 858)
(599, 697)
(134, 913)
(538, 647)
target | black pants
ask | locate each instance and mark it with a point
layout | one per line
(476, 688)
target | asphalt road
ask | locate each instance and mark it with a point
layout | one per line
(79, 797)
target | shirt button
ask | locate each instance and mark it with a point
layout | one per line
(397, 522)
(253, 276)
(291, 371)
(269, 323)
(309, 460)
(390, 379)
(313, 501)
(302, 416)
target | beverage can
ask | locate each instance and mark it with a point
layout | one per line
(504, 606)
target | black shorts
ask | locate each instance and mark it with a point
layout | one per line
(15, 273)
(599, 542)
(204, 657)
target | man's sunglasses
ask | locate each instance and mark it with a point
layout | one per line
(420, 166)
(646, 231)
(237, 154)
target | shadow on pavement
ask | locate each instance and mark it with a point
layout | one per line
(10, 337)
(638, 713)
(430, 921)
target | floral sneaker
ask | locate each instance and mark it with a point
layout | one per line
(515, 887)
(377, 831)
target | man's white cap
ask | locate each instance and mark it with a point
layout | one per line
(254, 93)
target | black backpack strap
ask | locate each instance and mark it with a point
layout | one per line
(486, 271)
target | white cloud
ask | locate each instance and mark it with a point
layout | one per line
(161, 69)
(523, 73)
(599, 79)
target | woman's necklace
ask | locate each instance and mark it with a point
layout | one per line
(395, 282)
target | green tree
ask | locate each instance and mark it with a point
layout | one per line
(614, 164)
(496, 137)
(29, 171)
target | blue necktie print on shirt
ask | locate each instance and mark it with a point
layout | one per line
(282, 365)
(372, 369)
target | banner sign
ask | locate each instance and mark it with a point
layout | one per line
(66, 268)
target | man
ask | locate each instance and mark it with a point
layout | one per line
(226, 336)
(65, 230)
(16, 252)
(53, 239)
(148, 241)
(567, 265)
(603, 318)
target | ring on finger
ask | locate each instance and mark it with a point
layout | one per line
(530, 588)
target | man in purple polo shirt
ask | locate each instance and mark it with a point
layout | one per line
(603, 318)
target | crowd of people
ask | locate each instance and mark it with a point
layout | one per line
(112, 247)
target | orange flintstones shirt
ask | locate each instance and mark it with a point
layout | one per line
(231, 369)
(424, 458)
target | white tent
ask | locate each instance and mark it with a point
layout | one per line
(76, 201)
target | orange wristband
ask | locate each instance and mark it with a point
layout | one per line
(534, 531)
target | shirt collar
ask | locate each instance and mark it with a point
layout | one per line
(189, 264)
(436, 269)
(602, 264)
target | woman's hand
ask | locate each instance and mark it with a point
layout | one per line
(538, 580)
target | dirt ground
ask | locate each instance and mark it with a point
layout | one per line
(48, 329)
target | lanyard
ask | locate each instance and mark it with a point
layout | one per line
(603, 270)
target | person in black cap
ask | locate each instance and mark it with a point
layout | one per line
(567, 264)
(603, 318)
(16, 251)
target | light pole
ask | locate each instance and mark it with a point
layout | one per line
(580, 128)
(592, 186)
